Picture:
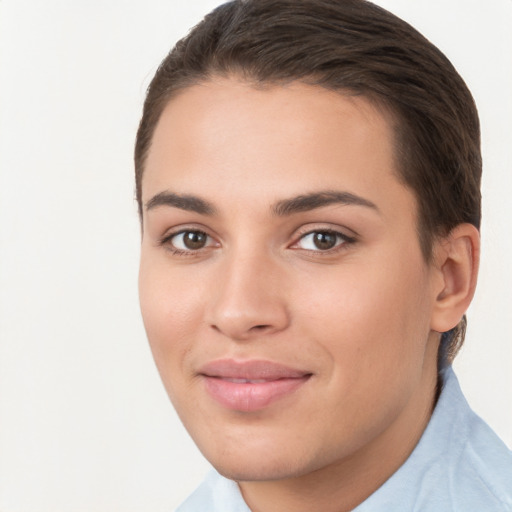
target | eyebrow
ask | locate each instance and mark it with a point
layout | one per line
(315, 200)
(285, 207)
(183, 202)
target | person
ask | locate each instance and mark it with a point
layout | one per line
(308, 181)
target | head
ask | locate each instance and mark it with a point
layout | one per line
(358, 49)
(308, 181)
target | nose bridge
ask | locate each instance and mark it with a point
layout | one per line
(250, 298)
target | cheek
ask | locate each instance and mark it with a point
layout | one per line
(369, 315)
(171, 306)
(373, 331)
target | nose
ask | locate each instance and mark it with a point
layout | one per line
(249, 299)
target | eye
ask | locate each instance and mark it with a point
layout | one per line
(323, 240)
(189, 240)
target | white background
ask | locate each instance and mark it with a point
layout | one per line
(84, 422)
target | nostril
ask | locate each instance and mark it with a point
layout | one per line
(260, 327)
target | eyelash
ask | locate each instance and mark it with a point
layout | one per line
(166, 241)
(342, 242)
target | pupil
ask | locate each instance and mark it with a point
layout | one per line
(324, 240)
(194, 240)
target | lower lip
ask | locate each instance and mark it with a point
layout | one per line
(248, 396)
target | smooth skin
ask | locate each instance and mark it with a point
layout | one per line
(231, 268)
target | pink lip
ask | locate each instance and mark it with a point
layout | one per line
(250, 385)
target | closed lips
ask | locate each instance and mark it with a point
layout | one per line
(252, 370)
(250, 386)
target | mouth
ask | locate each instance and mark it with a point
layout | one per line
(249, 386)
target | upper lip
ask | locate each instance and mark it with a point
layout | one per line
(256, 369)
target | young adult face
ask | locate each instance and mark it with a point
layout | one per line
(282, 285)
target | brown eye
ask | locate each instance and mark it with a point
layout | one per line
(190, 240)
(322, 240)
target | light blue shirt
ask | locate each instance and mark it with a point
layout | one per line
(459, 465)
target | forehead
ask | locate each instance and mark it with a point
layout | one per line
(226, 134)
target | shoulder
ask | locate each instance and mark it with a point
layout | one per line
(459, 464)
(473, 470)
(483, 468)
(481, 464)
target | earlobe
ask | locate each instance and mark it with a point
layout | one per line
(456, 260)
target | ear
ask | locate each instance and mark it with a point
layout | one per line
(456, 258)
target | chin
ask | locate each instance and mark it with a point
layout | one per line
(262, 461)
(248, 471)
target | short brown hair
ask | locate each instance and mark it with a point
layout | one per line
(354, 47)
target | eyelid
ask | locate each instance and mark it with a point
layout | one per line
(309, 229)
(165, 240)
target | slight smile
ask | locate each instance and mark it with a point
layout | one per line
(249, 386)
